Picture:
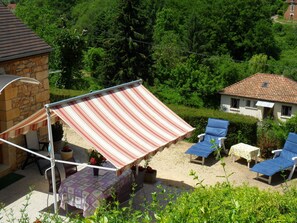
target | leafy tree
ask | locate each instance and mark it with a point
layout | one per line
(41, 18)
(97, 19)
(232, 27)
(258, 64)
(71, 46)
(227, 69)
(93, 61)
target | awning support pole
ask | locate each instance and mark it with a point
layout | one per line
(52, 156)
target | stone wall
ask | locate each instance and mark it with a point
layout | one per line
(19, 100)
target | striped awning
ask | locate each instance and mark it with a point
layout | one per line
(32, 123)
(125, 123)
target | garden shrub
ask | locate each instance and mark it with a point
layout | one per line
(225, 203)
(272, 134)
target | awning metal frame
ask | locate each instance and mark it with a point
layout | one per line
(7, 79)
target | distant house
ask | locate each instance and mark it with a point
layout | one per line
(24, 54)
(261, 96)
(291, 13)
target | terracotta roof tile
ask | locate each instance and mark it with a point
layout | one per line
(16, 39)
(267, 87)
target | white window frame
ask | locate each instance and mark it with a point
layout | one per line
(286, 111)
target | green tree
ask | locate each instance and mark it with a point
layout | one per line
(93, 61)
(231, 27)
(41, 18)
(258, 64)
(128, 54)
(168, 47)
(97, 19)
(71, 45)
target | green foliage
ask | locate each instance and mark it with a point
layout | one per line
(224, 203)
(71, 46)
(128, 57)
(258, 64)
(237, 32)
(197, 84)
(93, 61)
(273, 134)
(218, 203)
(97, 18)
(226, 69)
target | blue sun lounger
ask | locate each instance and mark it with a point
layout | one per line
(211, 140)
(283, 159)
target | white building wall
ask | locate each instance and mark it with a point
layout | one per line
(254, 111)
(243, 109)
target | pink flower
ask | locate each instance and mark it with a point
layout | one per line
(93, 161)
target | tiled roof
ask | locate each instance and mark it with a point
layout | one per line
(16, 39)
(267, 87)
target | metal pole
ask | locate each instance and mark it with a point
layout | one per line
(52, 156)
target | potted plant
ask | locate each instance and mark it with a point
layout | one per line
(150, 174)
(139, 178)
(66, 151)
(57, 132)
(96, 159)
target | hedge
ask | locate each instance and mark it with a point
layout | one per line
(241, 129)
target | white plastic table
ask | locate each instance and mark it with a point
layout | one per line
(245, 151)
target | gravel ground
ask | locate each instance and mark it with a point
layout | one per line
(173, 168)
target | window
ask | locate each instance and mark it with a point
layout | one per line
(286, 110)
(248, 103)
(234, 103)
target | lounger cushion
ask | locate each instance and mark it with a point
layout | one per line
(202, 149)
(272, 166)
(287, 154)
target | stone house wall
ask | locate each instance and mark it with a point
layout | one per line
(19, 100)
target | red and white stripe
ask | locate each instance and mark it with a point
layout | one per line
(32, 123)
(126, 125)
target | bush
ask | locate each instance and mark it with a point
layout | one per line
(224, 203)
(272, 134)
(93, 60)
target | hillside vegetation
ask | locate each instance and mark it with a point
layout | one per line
(187, 50)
